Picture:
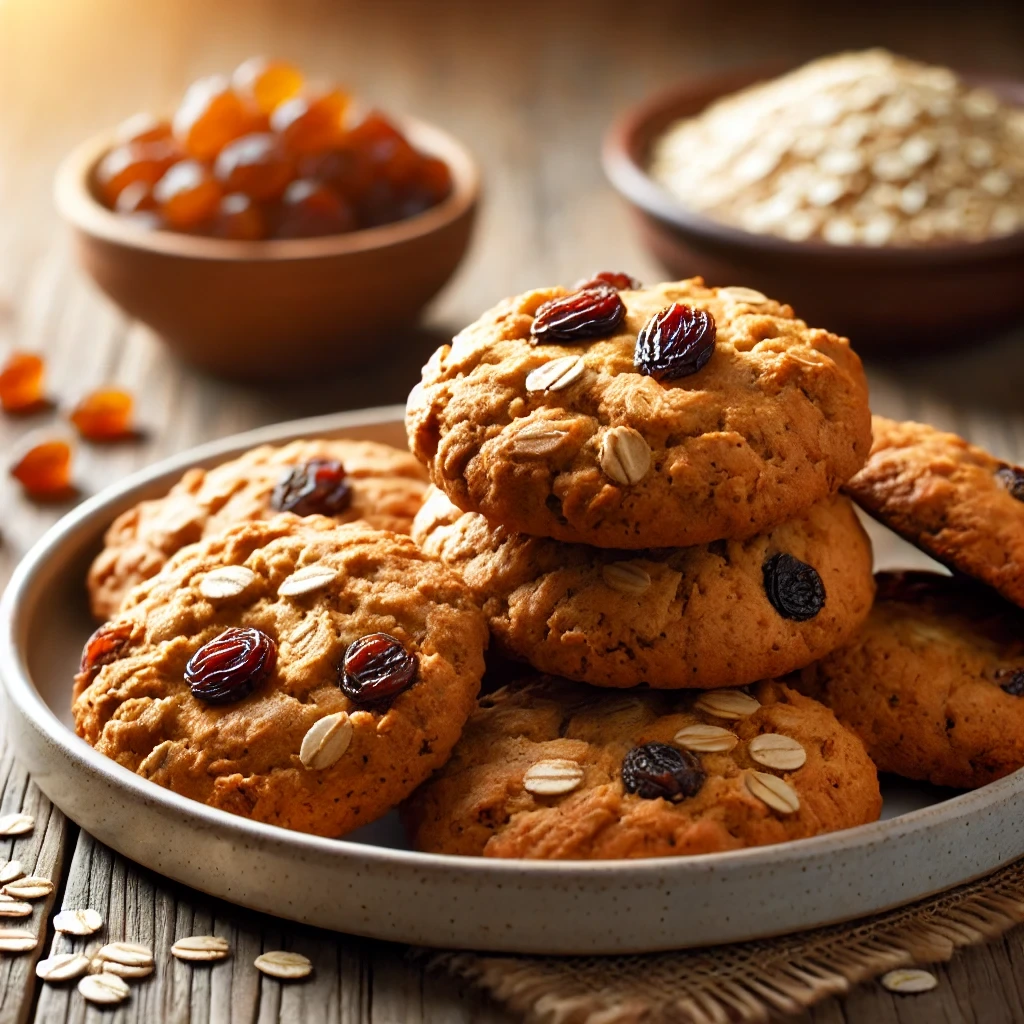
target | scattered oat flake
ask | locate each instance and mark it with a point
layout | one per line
(103, 989)
(11, 871)
(16, 824)
(909, 981)
(78, 922)
(281, 964)
(125, 970)
(14, 908)
(62, 967)
(130, 954)
(17, 940)
(31, 888)
(201, 947)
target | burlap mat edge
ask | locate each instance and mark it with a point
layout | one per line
(748, 983)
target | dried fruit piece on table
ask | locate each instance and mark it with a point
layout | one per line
(255, 164)
(210, 116)
(45, 470)
(581, 316)
(611, 279)
(317, 487)
(266, 83)
(138, 163)
(676, 342)
(656, 770)
(310, 209)
(21, 382)
(240, 219)
(793, 587)
(104, 415)
(376, 666)
(311, 124)
(187, 195)
(231, 666)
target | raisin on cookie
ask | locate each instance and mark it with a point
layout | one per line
(951, 499)
(722, 614)
(551, 769)
(347, 480)
(934, 681)
(293, 671)
(698, 414)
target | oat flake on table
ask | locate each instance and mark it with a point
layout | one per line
(855, 149)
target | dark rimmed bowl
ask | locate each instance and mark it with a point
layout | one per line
(887, 300)
(274, 310)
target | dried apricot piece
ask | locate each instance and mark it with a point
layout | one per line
(255, 164)
(311, 124)
(267, 83)
(104, 415)
(239, 218)
(187, 194)
(310, 209)
(211, 114)
(143, 128)
(144, 162)
(21, 382)
(45, 470)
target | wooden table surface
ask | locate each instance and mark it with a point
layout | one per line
(529, 87)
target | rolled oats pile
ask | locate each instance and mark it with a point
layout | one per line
(856, 149)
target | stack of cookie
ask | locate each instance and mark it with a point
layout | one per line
(934, 680)
(640, 488)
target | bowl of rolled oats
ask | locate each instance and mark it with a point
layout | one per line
(880, 196)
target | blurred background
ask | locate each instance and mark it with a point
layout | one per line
(529, 87)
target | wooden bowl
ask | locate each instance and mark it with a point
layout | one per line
(275, 309)
(885, 299)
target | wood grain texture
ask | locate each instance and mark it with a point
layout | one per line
(530, 87)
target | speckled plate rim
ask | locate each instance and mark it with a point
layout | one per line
(455, 902)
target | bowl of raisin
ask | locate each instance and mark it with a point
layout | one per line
(270, 229)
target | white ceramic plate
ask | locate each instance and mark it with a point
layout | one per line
(370, 885)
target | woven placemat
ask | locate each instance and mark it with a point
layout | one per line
(751, 982)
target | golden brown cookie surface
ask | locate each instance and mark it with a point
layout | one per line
(670, 618)
(952, 499)
(933, 682)
(556, 770)
(602, 454)
(384, 488)
(294, 748)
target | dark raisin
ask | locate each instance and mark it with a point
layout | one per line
(676, 342)
(317, 487)
(611, 279)
(1014, 686)
(104, 646)
(1012, 478)
(793, 587)
(658, 770)
(591, 313)
(231, 666)
(376, 666)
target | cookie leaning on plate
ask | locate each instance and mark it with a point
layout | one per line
(721, 614)
(952, 499)
(293, 671)
(556, 770)
(734, 416)
(376, 483)
(934, 681)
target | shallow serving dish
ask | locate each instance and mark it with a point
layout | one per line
(281, 308)
(885, 299)
(371, 885)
